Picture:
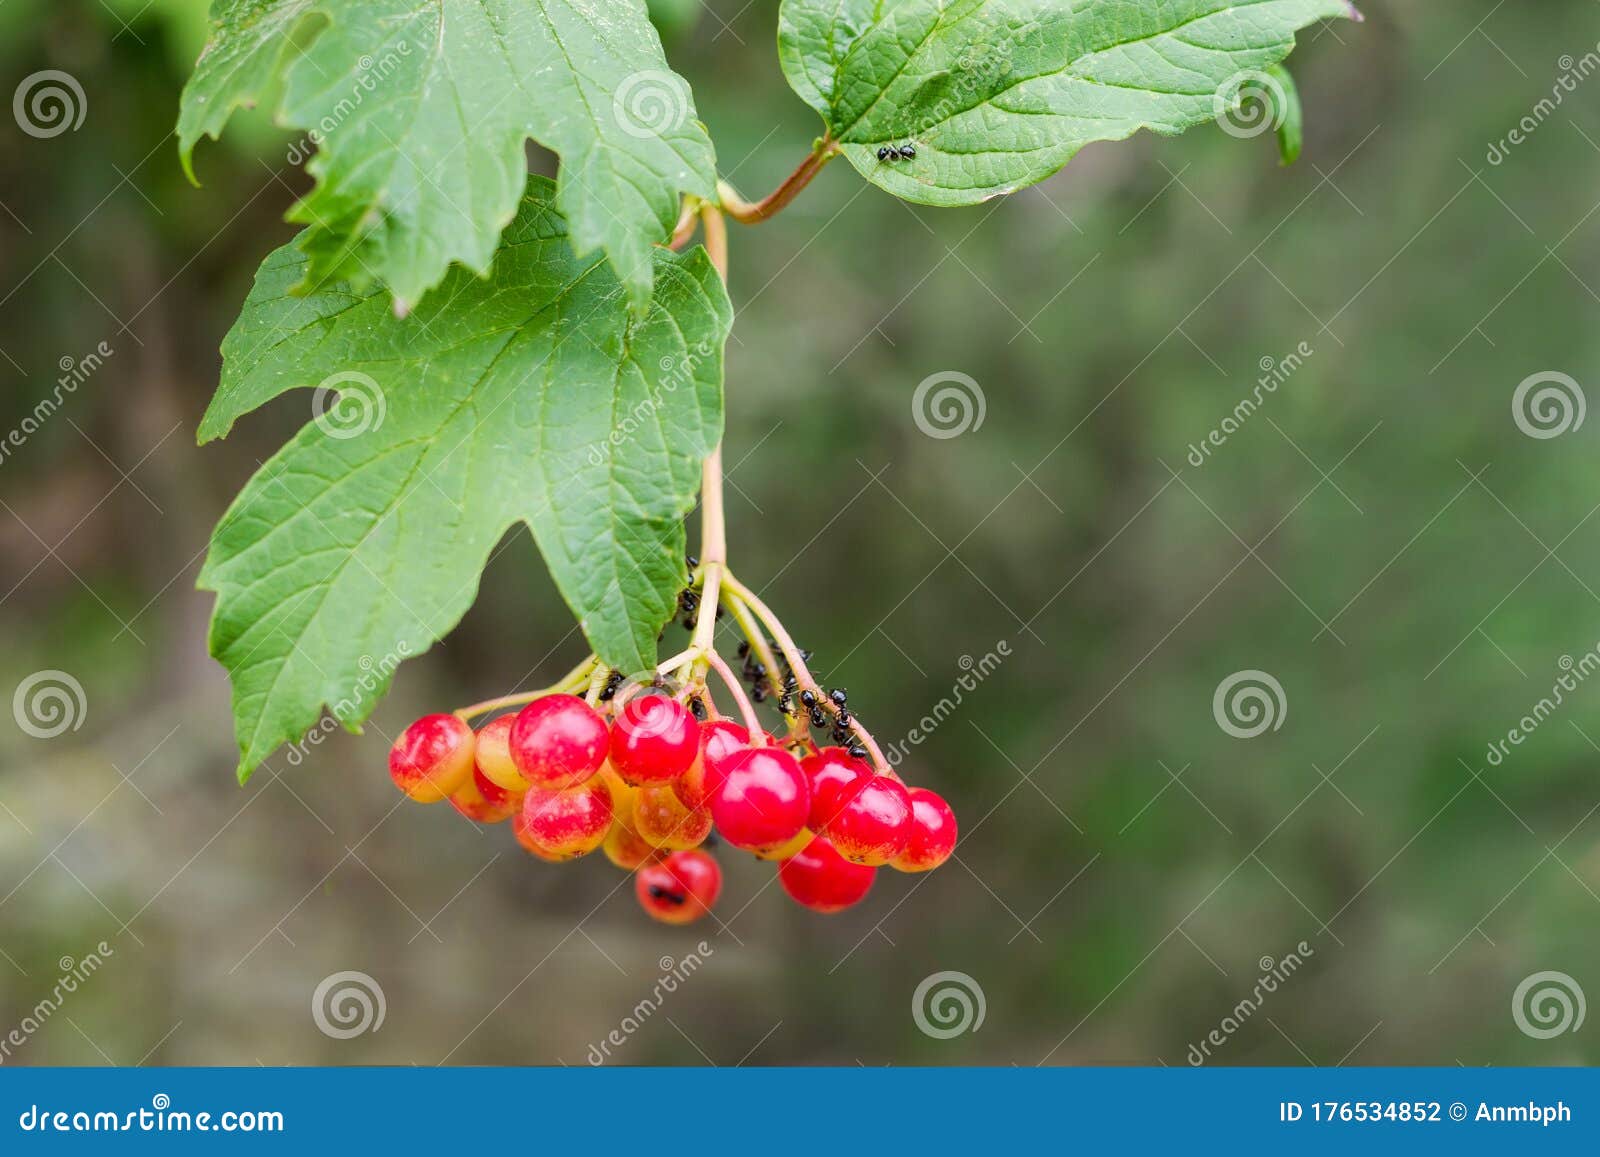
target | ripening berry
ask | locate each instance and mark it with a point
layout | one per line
(564, 825)
(680, 889)
(493, 754)
(789, 849)
(873, 823)
(763, 800)
(626, 848)
(623, 845)
(832, 771)
(432, 757)
(821, 879)
(661, 819)
(558, 741)
(719, 738)
(520, 831)
(653, 740)
(483, 800)
(933, 833)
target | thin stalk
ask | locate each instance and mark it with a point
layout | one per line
(713, 516)
(797, 665)
(573, 678)
(751, 627)
(688, 217)
(752, 721)
(753, 212)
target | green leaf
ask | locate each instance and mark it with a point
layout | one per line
(1284, 97)
(999, 94)
(419, 110)
(536, 396)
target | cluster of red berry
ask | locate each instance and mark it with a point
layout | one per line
(650, 786)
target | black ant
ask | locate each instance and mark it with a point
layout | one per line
(906, 152)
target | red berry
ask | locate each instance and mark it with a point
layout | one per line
(873, 823)
(763, 800)
(563, 825)
(933, 833)
(719, 738)
(558, 741)
(432, 757)
(493, 754)
(679, 889)
(832, 770)
(654, 740)
(661, 819)
(483, 800)
(821, 879)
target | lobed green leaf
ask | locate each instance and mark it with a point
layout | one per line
(419, 110)
(536, 396)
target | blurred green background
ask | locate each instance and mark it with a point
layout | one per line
(1381, 537)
